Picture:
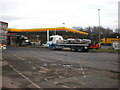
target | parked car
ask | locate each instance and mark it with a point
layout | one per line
(26, 43)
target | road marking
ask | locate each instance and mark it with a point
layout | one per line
(32, 63)
(1, 58)
(19, 57)
(34, 84)
(65, 86)
(49, 69)
(83, 72)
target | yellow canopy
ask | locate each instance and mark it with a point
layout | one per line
(45, 29)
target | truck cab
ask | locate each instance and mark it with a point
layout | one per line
(54, 38)
(53, 41)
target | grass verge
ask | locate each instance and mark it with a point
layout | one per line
(108, 50)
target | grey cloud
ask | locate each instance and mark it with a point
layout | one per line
(10, 18)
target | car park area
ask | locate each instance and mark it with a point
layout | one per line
(25, 67)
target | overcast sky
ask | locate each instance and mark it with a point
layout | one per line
(52, 13)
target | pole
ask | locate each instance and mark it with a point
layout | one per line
(37, 37)
(47, 35)
(55, 31)
(64, 26)
(99, 25)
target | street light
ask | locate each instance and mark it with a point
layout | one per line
(99, 24)
(64, 26)
(55, 31)
(63, 23)
(37, 36)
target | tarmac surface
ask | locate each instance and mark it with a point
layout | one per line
(24, 67)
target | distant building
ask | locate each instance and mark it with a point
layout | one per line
(3, 34)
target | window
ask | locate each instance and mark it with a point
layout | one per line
(51, 39)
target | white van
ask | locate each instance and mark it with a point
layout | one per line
(116, 45)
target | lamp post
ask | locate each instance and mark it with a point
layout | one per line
(55, 31)
(37, 36)
(64, 26)
(48, 35)
(99, 24)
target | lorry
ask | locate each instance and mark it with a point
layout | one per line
(109, 41)
(57, 42)
(3, 34)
